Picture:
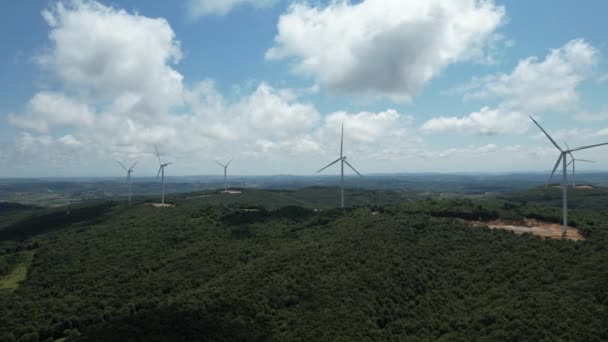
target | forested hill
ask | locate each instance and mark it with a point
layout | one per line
(595, 199)
(216, 272)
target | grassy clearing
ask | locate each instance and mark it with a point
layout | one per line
(12, 280)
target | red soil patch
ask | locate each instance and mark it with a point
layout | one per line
(544, 229)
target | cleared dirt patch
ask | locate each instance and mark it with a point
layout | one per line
(160, 205)
(544, 229)
(576, 187)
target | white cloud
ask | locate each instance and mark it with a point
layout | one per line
(119, 95)
(70, 141)
(270, 111)
(368, 127)
(534, 86)
(563, 136)
(540, 85)
(592, 117)
(48, 109)
(602, 132)
(387, 135)
(603, 78)
(471, 150)
(78, 126)
(199, 8)
(486, 121)
(266, 113)
(384, 47)
(102, 53)
(573, 138)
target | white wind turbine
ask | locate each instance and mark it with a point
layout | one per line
(562, 158)
(225, 173)
(129, 171)
(161, 170)
(573, 161)
(342, 161)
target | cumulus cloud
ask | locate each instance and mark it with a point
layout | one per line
(486, 121)
(540, 85)
(386, 48)
(78, 125)
(48, 109)
(103, 53)
(269, 111)
(386, 135)
(366, 126)
(199, 8)
(118, 94)
(534, 86)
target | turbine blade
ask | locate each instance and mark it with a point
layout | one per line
(332, 163)
(347, 163)
(570, 162)
(554, 168)
(220, 164)
(229, 162)
(342, 141)
(132, 166)
(157, 154)
(547, 134)
(586, 161)
(158, 171)
(121, 164)
(586, 147)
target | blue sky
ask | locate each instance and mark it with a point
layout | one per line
(420, 85)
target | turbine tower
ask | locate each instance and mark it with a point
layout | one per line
(573, 161)
(161, 170)
(225, 172)
(129, 171)
(562, 158)
(342, 161)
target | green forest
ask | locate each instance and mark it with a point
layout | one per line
(286, 266)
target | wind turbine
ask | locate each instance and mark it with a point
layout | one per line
(562, 158)
(161, 170)
(129, 171)
(573, 161)
(342, 161)
(225, 172)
